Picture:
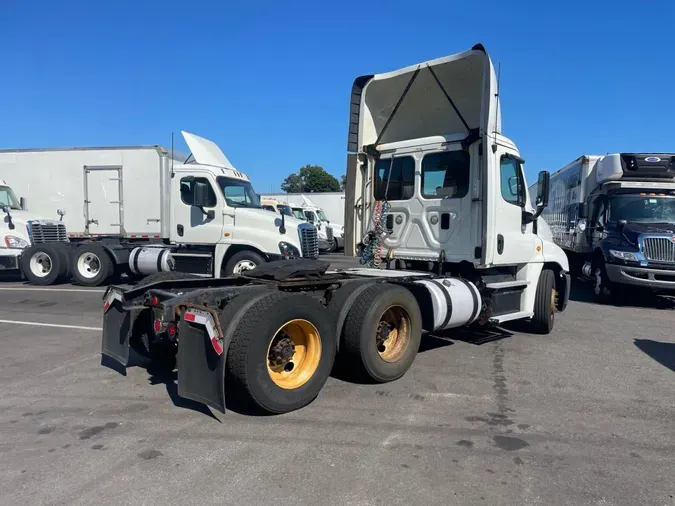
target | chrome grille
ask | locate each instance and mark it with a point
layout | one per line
(329, 234)
(309, 242)
(42, 232)
(659, 249)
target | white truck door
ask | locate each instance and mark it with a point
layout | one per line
(103, 209)
(512, 242)
(190, 224)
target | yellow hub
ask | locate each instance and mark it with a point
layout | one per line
(393, 334)
(293, 354)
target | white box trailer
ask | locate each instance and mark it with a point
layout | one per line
(138, 210)
(115, 191)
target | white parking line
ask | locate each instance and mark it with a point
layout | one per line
(38, 324)
(34, 289)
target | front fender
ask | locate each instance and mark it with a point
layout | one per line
(554, 254)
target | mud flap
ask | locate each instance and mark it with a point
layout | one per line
(116, 331)
(201, 371)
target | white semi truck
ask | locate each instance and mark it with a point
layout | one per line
(20, 228)
(614, 215)
(137, 210)
(439, 193)
(330, 232)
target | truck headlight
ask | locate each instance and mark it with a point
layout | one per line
(624, 255)
(13, 241)
(288, 250)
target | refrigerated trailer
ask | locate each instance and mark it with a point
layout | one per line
(438, 191)
(139, 210)
(614, 215)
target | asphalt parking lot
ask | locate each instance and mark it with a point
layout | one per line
(583, 416)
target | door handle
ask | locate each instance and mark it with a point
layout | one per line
(180, 230)
(500, 244)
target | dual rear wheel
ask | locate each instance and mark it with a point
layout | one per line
(283, 346)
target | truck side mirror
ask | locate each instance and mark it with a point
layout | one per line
(23, 204)
(582, 213)
(200, 195)
(543, 183)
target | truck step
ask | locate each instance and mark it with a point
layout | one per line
(500, 285)
(512, 316)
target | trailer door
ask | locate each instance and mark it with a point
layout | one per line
(103, 206)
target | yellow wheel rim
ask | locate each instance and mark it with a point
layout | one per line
(293, 354)
(393, 334)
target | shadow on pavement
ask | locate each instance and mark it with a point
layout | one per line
(663, 353)
(162, 376)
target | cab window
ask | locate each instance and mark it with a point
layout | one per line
(512, 187)
(187, 185)
(446, 175)
(396, 179)
(310, 216)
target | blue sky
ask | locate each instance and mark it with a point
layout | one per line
(270, 81)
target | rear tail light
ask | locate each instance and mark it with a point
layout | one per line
(171, 330)
(157, 325)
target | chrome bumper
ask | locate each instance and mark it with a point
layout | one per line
(641, 276)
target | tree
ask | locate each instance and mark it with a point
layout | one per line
(310, 179)
(292, 184)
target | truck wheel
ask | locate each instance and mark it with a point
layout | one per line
(43, 264)
(383, 331)
(64, 252)
(91, 265)
(602, 286)
(242, 261)
(282, 352)
(544, 303)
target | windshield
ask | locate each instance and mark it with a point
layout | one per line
(321, 215)
(238, 193)
(284, 209)
(7, 198)
(297, 212)
(642, 209)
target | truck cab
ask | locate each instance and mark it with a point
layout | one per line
(20, 229)
(331, 234)
(628, 223)
(214, 206)
(432, 184)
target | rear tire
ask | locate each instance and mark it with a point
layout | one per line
(91, 265)
(383, 330)
(544, 303)
(281, 353)
(241, 262)
(44, 264)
